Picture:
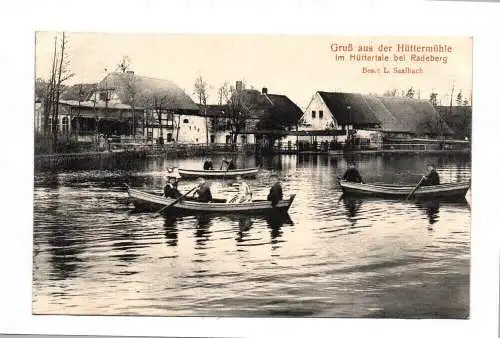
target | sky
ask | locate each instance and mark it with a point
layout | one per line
(293, 65)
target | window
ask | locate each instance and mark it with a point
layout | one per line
(196, 140)
(212, 138)
(243, 139)
(185, 121)
(313, 114)
(320, 114)
(169, 137)
(65, 125)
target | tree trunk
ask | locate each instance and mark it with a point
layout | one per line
(206, 125)
(178, 128)
(55, 118)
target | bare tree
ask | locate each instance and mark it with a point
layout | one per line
(130, 94)
(124, 64)
(63, 74)
(236, 111)
(391, 92)
(201, 92)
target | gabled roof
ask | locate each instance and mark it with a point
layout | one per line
(388, 121)
(168, 93)
(349, 108)
(261, 106)
(281, 104)
(418, 116)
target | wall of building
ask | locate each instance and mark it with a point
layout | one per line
(317, 115)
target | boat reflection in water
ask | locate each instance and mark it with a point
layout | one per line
(431, 208)
(242, 223)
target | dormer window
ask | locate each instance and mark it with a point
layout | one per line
(313, 114)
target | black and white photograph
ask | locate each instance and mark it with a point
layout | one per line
(226, 175)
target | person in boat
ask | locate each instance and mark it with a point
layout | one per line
(208, 165)
(170, 190)
(432, 177)
(244, 192)
(203, 193)
(229, 164)
(352, 174)
(276, 192)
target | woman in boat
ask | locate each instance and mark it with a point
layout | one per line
(208, 165)
(244, 193)
(203, 193)
(432, 177)
(352, 174)
(276, 192)
(170, 190)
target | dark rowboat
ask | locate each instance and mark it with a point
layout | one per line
(246, 173)
(148, 201)
(442, 191)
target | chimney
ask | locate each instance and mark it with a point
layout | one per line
(264, 90)
(239, 86)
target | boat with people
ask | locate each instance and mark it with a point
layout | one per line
(211, 174)
(155, 202)
(443, 191)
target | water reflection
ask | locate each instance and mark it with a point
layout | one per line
(65, 246)
(352, 206)
(202, 229)
(171, 232)
(275, 222)
(244, 225)
(85, 237)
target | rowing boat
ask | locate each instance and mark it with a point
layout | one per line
(442, 191)
(246, 173)
(147, 201)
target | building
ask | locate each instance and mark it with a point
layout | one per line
(369, 119)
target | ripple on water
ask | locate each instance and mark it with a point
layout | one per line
(333, 257)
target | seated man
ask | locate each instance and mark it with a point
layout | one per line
(352, 174)
(203, 193)
(208, 165)
(276, 192)
(244, 193)
(432, 177)
(170, 190)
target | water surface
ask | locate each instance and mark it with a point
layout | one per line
(331, 257)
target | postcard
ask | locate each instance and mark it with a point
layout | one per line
(231, 181)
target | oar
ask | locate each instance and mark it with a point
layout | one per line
(177, 200)
(415, 189)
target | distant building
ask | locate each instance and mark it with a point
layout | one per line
(265, 116)
(371, 118)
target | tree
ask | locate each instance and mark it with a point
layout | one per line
(201, 92)
(124, 64)
(236, 110)
(390, 92)
(458, 100)
(130, 94)
(433, 99)
(410, 93)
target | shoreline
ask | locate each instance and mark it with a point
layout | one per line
(112, 159)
